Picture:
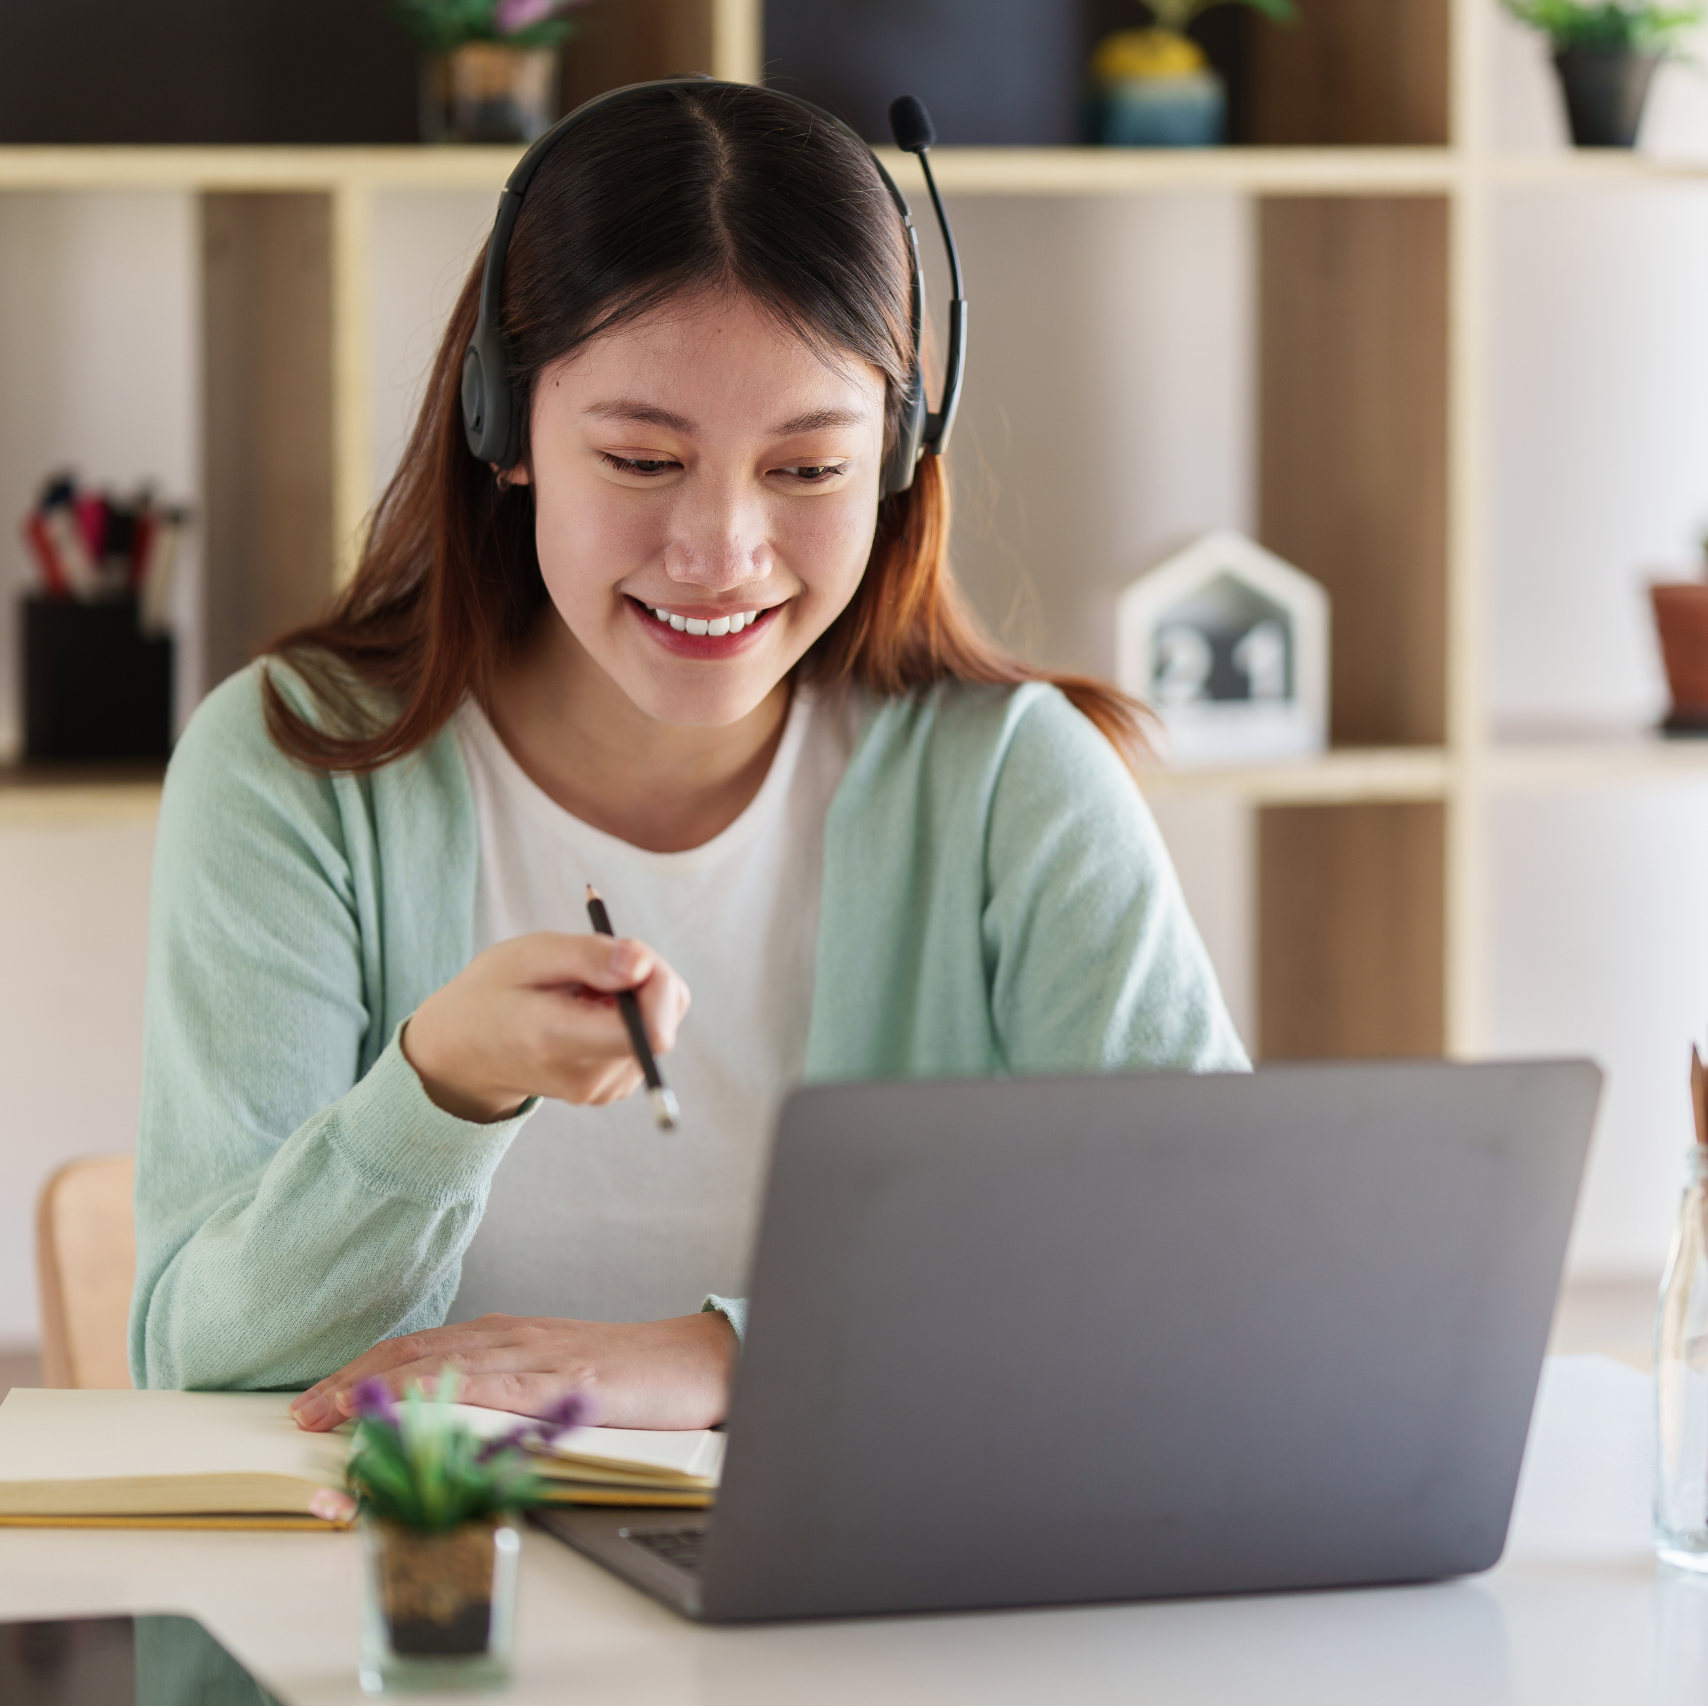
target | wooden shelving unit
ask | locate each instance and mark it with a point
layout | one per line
(1375, 191)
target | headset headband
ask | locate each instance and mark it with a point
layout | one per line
(489, 409)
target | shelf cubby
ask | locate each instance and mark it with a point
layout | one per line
(1351, 956)
(1352, 461)
(267, 388)
(1351, 74)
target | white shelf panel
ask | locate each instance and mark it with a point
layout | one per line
(1567, 168)
(165, 168)
(1565, 762)
(1263, 171)
(1347, 777)
(962, 171)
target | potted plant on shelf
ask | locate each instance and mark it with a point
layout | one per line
(438, 1507)
(1606, 52)
(1154, 88)
(1681, 623)
(489, 71)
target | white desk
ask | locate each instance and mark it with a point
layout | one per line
(1577, 1612)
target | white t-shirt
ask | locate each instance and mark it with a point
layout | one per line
(594, 1213)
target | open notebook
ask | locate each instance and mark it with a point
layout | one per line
(237, 1460)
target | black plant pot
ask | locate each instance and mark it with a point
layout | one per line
(1606, 91)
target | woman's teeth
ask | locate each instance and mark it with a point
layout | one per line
(717, 625)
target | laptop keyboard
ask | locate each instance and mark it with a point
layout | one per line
(679, 1546)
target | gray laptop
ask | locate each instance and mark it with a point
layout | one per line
(1034, 1341)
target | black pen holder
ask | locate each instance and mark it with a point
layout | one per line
(95, 686)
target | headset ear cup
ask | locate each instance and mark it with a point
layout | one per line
(898, 475)
(474, 401)
(487, 423)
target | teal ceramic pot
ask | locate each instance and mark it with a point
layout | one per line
(1161, 112)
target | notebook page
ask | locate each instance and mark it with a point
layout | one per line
(93, 1435)
(695, 1455)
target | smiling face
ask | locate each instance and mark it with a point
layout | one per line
(706, 491)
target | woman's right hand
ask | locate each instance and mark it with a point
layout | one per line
(537, 1016)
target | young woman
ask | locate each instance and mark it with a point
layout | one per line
(687, 651)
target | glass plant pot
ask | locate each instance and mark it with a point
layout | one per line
(1681, 1383)
(439, 1610)
(1189, 110)
(486, 92)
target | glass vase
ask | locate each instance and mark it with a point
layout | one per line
(439, 1610)
(1681, 1382)
(483, 91)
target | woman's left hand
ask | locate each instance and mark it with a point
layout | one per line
(638, 1374)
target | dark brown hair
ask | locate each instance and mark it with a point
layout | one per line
(672, 190)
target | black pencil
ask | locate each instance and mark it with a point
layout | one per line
(665, 1112)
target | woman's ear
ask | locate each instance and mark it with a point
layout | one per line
(508, 477)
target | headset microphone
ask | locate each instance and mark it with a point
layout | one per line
(914, 133)
(490, 413)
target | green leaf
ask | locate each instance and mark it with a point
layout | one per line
(548, 34)
(1177, 14)
(1609, 26)
(441, 25)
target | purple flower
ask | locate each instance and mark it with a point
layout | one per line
(573, 1410)
(514, 15)
(374, 1403)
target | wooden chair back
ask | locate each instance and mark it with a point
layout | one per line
(86, 1264)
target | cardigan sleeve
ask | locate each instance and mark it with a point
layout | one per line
(1092, 958)
(291, 1208)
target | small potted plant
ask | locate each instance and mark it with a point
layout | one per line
(1606, 52)
(1153, 88)
(489, 70)
(1681, 623)
(438, 1507)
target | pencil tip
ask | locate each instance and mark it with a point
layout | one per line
(592, 893)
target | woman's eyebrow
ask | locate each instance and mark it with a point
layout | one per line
(647, 414)
(816, 420)
(650, 414)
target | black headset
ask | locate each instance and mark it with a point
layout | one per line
(490, 414)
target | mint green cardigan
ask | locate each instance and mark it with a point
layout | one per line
(996, 899)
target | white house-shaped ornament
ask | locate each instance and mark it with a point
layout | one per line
(1230, 646)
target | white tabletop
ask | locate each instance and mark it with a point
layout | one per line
(1578, 1611)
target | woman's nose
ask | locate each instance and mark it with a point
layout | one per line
(719, 543)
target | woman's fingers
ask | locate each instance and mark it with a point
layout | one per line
(664, 1001)
(500, 1362)
(527, 1394)
(591, 971)
(537, 1016)
(608, 963)
(486, 1379)
(643, 1374)
(320, 1407)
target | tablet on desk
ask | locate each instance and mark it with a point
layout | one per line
(114, 1661)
